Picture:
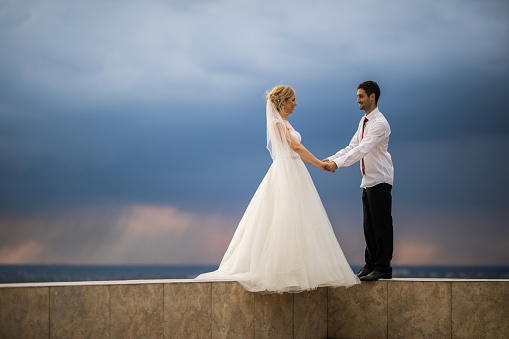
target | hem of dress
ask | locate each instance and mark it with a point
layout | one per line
(250, 287)
(293, 289)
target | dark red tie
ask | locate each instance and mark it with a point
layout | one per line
(362, 136)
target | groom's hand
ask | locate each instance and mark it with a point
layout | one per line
(331, 166)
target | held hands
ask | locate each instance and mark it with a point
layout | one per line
(323, 166)
(330, 165)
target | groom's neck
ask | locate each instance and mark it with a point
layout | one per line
(370, 110)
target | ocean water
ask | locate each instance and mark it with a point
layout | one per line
(68, 273)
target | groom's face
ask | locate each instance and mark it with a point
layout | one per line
(365, 102)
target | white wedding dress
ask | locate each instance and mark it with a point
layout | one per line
(285, 241)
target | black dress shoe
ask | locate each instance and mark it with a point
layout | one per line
(364, 272)
(376, 275)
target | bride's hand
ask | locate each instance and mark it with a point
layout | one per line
(323, 166)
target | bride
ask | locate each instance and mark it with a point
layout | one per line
(285, 241)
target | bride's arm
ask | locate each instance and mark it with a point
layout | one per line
(304, 154)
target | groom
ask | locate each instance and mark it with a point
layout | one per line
(369, 146)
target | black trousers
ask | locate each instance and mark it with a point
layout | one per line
(378, 229)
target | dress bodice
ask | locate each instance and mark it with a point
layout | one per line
(293, 132)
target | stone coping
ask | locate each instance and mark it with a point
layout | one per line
(180, 281)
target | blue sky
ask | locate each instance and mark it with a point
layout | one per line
(134, 132)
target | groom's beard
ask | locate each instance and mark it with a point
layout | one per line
(365, 106)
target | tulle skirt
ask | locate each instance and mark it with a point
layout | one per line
(285, 242)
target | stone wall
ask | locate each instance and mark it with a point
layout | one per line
(398, 308)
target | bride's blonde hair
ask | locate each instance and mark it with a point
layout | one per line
(279, 94)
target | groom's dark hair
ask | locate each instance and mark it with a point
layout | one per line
(370, 87)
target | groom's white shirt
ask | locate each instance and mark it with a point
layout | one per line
(373, 148)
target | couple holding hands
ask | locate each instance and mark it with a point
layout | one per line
(285, 241)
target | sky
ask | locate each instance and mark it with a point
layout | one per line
(133, 132)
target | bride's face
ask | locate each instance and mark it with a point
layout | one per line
(289, 105)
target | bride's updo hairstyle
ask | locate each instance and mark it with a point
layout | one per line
(279, 94)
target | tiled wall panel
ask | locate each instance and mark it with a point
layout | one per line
(398, 308)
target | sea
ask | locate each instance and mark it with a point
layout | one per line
(74, 273)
